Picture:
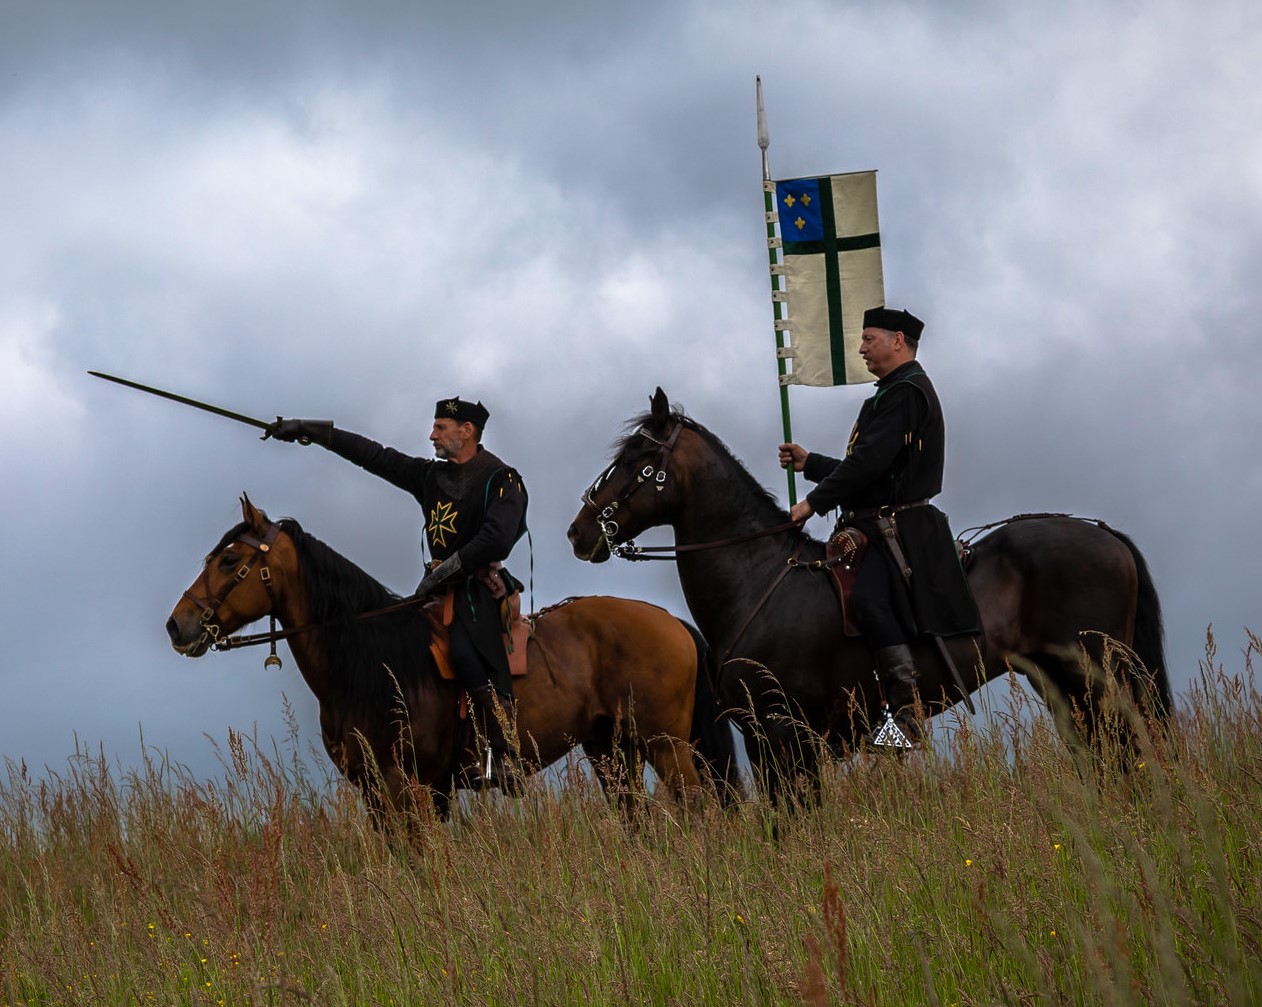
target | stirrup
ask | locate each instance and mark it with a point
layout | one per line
(485, 778)
(492, 776)
(891, 735)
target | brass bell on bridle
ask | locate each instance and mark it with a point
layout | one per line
(272, 661)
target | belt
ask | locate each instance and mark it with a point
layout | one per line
(885, 510)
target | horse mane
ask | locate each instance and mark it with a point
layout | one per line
(360, 650)
(756, 490)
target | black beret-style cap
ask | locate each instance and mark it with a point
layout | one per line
(456, 408)
(895, 320)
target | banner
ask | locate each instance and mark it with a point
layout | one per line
(831, 270)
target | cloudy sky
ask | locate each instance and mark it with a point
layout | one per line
(348, 211)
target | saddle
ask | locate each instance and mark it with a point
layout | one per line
(843, 553)
(516, 629)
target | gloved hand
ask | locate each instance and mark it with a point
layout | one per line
(444, 571)
(303, 431)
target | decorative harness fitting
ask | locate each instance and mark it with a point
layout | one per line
(653, 473)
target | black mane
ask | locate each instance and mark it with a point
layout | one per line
(362, 652)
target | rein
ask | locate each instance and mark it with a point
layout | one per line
(249, 640)
(630, 551)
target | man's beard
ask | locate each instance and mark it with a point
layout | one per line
(448, 449)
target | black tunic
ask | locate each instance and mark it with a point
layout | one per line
(895, 455)
(476, 509)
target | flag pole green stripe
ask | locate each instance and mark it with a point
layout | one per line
(832, 282)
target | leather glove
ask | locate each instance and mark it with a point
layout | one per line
(302, 431)
(444, 571)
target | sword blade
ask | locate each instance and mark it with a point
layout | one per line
(184, 400)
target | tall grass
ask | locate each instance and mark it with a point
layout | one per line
(994, 869)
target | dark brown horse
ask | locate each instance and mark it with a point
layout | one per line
(1060, 597)
(600, 671)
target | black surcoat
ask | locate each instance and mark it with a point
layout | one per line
(476, 509)
(895, 456)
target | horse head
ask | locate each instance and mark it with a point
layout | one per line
(638, 490)
(239, 583)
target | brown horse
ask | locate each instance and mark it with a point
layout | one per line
(601, 671)
(1055, 594)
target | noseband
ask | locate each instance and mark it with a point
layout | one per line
(210, 607)
(653, 473)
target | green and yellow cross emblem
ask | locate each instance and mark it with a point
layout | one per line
(442, 521)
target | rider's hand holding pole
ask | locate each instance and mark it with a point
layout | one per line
(795, 455)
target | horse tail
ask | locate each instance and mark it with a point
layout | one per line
(711, 730)
(1151, 682)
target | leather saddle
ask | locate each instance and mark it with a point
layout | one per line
(843, 554)
(516, 628)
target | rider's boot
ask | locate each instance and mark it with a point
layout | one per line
(497, 764)
(898, 680)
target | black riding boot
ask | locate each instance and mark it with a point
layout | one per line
(898, 680)
(495, 764)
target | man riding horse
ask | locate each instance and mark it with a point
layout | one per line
(912, 584)
(475, 511)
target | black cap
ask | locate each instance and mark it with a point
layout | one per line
(458, 409)
(895, 320)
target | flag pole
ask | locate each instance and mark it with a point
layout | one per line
(777, 271)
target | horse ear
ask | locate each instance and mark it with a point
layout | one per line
(250, 514)
(661, 407)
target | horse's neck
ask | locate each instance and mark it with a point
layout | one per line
(722, 501)
(293, 611)
(722, 585)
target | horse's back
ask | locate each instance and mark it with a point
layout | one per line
(603, 619)
(1041, 583)
(611, 651)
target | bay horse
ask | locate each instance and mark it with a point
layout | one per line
(1060, 598)
(606, 673)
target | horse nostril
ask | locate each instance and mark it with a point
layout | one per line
(173, 630)
(572, 534)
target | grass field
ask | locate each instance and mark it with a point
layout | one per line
(991, 870)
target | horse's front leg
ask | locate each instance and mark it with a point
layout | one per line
(783, 750)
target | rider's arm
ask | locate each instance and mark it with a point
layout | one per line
(404, 471)
(818, 466)
(503, 525)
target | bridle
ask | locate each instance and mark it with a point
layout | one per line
(654, 473)
(211, 619)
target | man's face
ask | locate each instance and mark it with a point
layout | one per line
(450, 437)
(880, 350)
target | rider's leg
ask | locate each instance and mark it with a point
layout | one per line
(488, 702)
(874, 612)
